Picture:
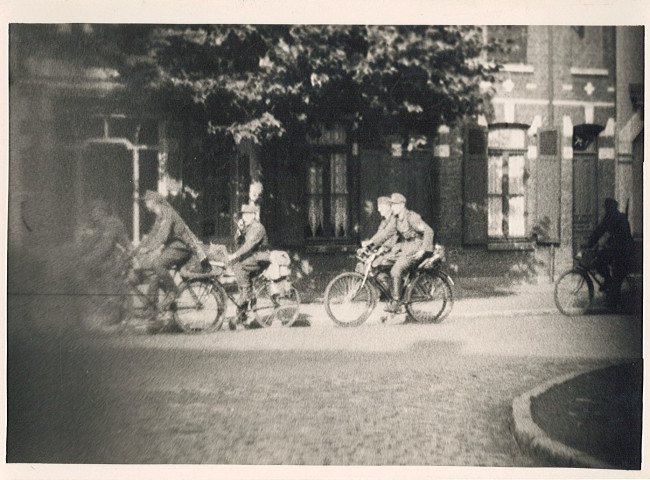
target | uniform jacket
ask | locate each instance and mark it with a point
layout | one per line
(255, 239)
(386, 233)
(412, 227)
(170, 231)
(616, 225)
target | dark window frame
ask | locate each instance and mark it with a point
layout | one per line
(324, 151)
(516, 43)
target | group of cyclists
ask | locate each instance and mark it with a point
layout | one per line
(402, 235)
(402, 240)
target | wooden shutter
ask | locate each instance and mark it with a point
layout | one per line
(475, 186)
(547, 218)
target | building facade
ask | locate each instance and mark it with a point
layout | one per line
(534, 176)
(512, 196)
(629, 127)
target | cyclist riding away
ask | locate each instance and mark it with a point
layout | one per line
(250, 259)
(618, 250)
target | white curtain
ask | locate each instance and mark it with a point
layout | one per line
(516, 212)
(339, 190)
(495, 200)
(315, 207)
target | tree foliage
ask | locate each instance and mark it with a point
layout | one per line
(258, 81)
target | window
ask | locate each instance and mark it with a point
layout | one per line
(587, 47)
(506, 183)
(328, 199)
(512, 43)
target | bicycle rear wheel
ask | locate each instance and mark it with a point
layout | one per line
(573, 293)
(276, 308)
(427, 297)
(200, 306)
(348, 300)
(631, 296)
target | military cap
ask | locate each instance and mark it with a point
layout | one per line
(383, 200)
(248, 208)
(397, 198)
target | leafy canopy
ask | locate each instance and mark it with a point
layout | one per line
(259, 81)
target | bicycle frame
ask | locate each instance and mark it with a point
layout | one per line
(259, 280)
(412, 273)
(151, 301)
(588, 270)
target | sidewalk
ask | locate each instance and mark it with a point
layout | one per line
(585, 420)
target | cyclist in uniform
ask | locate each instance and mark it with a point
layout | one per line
(415, 238)
(385, 238)
(170, 243)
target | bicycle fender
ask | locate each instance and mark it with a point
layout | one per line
(446, 275)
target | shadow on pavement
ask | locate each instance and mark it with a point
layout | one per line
(598, 413)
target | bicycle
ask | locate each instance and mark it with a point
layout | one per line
(197, 305)
(275, 302)
(574, 289)
(351, 297)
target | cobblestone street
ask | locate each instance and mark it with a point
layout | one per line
(390, 394)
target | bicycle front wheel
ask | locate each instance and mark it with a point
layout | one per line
(574, 293)
(200, 306)
(427, 297)
(348, 300)
(275, 306)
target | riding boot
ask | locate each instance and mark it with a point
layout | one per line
(240, 316)
(394, 305)
(384, 279)
(169, 302)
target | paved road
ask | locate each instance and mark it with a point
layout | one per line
(378, 394)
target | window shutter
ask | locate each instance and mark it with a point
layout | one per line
(475, 186)
(547, 218)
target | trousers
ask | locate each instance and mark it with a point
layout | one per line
(620, 264)
(245, 270)
(400, 259)
(405, 259)
(168, 258)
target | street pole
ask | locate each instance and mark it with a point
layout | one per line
(136, 196)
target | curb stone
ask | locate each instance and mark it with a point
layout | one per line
(532, 438)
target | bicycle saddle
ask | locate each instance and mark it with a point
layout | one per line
(200, 275)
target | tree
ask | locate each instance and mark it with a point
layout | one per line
(258, 82)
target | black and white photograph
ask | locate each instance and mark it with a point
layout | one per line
(326, 244)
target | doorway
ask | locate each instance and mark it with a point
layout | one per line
(585, 197)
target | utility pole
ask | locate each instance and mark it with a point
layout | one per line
(551, 86)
